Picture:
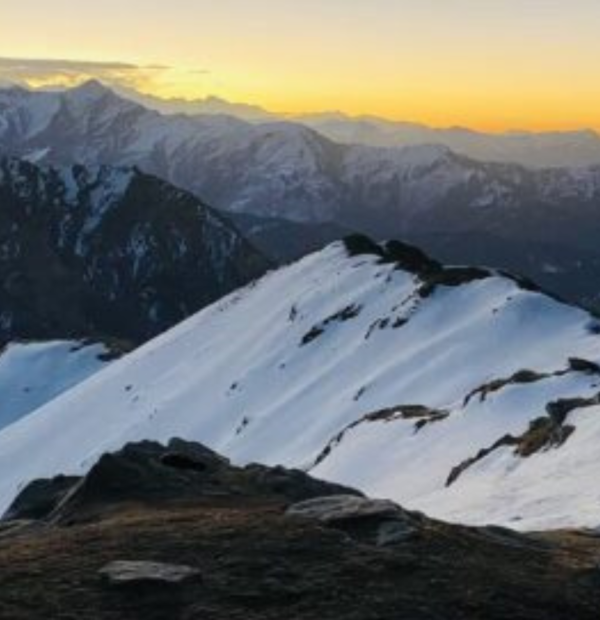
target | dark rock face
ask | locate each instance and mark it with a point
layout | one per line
(150, 473)
(40, 498)
(178, 532)
(109, 252)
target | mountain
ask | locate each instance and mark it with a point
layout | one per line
(463, 392)
(33, 373)
(100, 251)
(532, 149)
(210, 105)
(177, 531)
(544, 222)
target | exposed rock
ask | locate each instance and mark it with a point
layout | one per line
(293, 484)
(581, 365)
(357, 245)
(150, 473)
(410, 258)
(347, 313)
(40, 498)
(518, 378)
(456, 472)
(451, 276)
(560, 409)
(421, 414)
(344, 508)
(543, 433)
(244, 557)
(124, 573)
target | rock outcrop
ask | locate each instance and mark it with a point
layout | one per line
(177, 531)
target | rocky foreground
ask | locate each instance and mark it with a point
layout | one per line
(174, 532)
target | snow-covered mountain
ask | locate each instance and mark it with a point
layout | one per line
(541, 222)
(532, 149)
(278, 169)
(34, 373)
(463, 392)
(109, 251)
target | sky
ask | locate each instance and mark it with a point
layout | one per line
(485, 64)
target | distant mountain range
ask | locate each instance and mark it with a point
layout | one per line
(543, 222)
(533, 149)
(462, 392)
(107, 252)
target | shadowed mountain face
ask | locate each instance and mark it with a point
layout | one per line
(542, 222)
(179, 532)
(113, 252)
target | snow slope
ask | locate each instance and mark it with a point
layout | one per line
(33, 373)
(285, 371)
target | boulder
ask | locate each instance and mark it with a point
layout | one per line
(337, 508)
(123, 573)
(369, 521)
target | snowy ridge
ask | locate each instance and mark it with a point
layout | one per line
(371, 366)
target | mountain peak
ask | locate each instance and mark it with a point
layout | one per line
(90, 90)
(354, 362)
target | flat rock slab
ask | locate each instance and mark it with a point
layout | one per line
(338, 508)
(132, 573)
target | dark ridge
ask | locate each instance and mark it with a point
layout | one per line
(413, 260)
(357, 245)
(152, 474)
(410, 258)
(451, 276)
(433, 273)
(406, 257)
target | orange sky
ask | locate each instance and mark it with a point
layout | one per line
(488, 64)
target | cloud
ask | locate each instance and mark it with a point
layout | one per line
(54, 73)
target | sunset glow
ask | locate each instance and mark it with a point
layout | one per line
(488, 64)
